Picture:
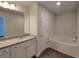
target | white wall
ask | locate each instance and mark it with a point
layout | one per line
(66, 24)
(77, 47)
(51, 24)
(33, 19)
(27, 21)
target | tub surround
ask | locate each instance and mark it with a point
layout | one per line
(67, 47)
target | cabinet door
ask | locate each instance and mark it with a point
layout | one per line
(5, 53)
(31, 49)
(43, 24)
(18, 51)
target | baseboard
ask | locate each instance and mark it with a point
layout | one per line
(37, 55)
(34, 56)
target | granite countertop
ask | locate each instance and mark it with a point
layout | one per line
(18, 39)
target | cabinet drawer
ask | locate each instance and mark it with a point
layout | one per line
(26, 43)
(31, 49)
(17, 51)
(15, 46)
(5, 52)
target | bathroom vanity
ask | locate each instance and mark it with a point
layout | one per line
(21, 47)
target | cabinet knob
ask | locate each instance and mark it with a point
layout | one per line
(26, 47)
(14, 47)
(4, 51)
(41, 35)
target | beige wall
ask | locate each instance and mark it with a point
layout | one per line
(66, 24)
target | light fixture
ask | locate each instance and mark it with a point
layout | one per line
(12, 6)
(58, 3)
(8, 5)
(5, 4)
(0, 3)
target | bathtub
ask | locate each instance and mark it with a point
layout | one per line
(63, 44)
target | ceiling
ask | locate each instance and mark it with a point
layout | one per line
(51, 5)
(64, 7)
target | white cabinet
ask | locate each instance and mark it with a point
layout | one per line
(23, 50)
(43, 28)
(5, 53)
(31, 49)
(18, 51)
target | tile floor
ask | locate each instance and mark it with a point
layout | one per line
(51, 53)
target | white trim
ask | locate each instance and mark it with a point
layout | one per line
(38, 54)
(4, 26)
